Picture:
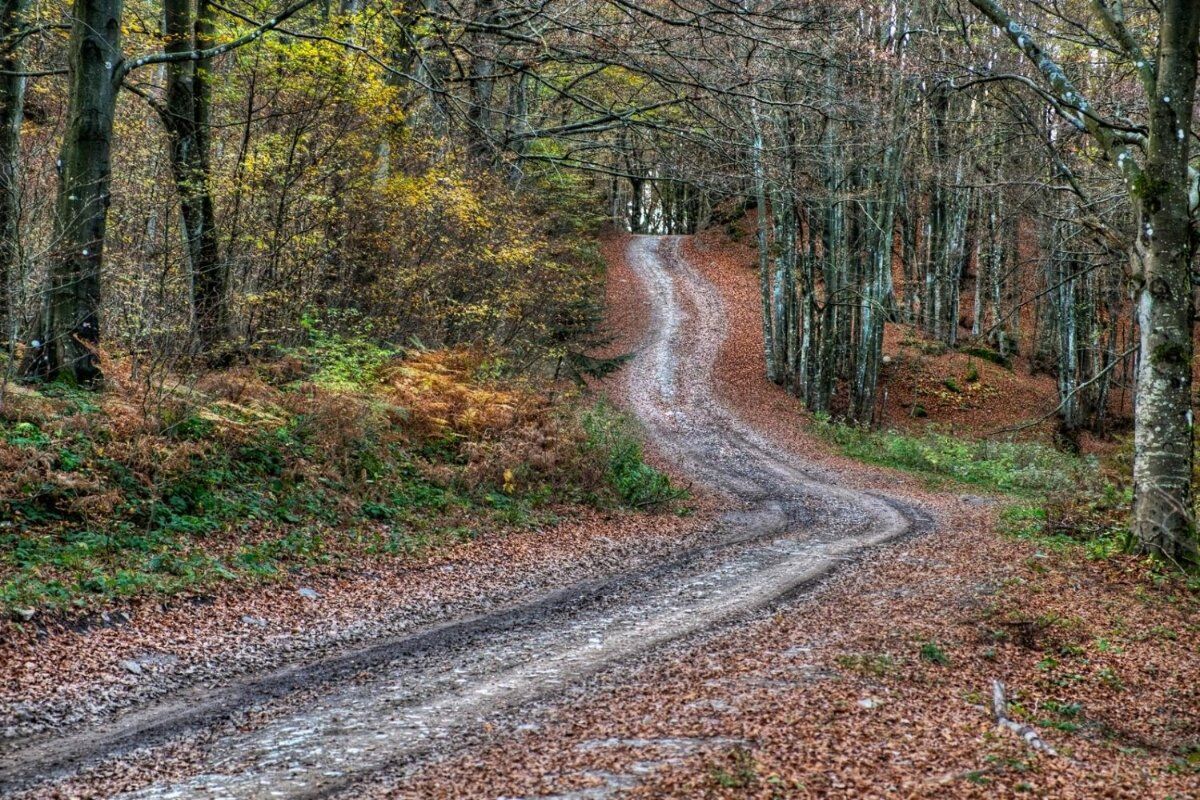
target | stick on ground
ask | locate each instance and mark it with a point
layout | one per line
(1000, 709)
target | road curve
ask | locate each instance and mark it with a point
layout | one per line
(382, 710)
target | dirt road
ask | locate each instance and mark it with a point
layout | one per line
(326, 728)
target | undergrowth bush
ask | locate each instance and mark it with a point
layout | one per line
(334, 449)
(1101, 534)
(1093, 513)
(611, 438)
(344, 362)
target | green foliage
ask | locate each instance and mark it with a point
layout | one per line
(934, 654)
(1093, 515)
(988, 355)
(741, 772)
(1066, 500)
(26, 434)
(874, 665)
(1018, 468)
(369, 455)
(610, 438)
(168, 537)
(1188, 762)
(346, 363)
(1062, 716)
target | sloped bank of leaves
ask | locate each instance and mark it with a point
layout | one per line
(340, 448)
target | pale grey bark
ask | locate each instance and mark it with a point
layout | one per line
(1163, 515)
(763, 225)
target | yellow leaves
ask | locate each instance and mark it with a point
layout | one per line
(265, 298)
(455, 257)
(444, 398)
(440, 195)
(514, 254)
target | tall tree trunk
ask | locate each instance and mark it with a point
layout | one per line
(518, 129)
(68, 331)
(877, 287)
(186, 117)
(764, 267)
(781, 279)
(482, 82)
(1162, 464)
(12, 111)
(637, 187)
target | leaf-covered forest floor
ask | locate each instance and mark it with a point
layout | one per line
(879, 683)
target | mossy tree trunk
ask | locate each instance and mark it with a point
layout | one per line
(1162, 467)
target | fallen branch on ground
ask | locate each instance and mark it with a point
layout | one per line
(1000, 709)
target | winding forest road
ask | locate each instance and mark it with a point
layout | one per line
(329, 727)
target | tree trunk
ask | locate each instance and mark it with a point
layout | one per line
(12, 108)
(1162, 464)
(764, 267)
(876, 292)
(186, 117)
(637, 186)
(518, 129)
(482, 81)
(68, 332)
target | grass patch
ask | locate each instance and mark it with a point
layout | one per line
(351, 363)
(741, 771)
(1017, 468)
(1059, 501)
(987, 354)
(1031, 522)
(875, 665)
(933, 653)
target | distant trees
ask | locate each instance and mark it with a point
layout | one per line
(831, 228)
(906, 166)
